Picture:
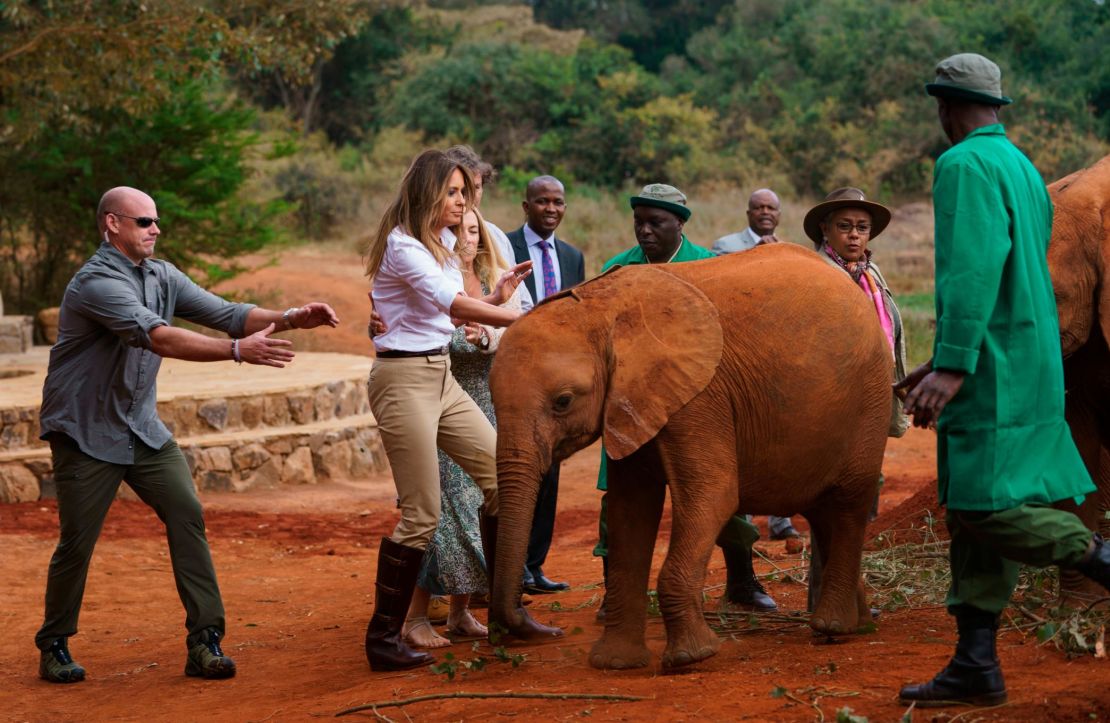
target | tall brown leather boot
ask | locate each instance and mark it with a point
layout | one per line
(398, 567)
(531, 630)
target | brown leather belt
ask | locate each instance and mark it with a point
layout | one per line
(397, 354)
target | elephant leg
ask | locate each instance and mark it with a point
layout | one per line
(698, 515)
(838, 529)
(635, 504)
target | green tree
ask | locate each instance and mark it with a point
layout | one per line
(651, 29)
(188, 153)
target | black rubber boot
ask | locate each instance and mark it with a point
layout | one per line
(530, 629)
(600, 616)
(1096, 565)
(973, 676)
(398, 567)
(742, 587)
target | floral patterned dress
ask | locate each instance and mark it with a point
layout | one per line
(453, 561)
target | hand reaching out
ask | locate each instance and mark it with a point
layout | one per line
(260, 348)
(313, 315)
(508, 282)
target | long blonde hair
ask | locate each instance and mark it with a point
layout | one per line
(489, 264)
(418, 206)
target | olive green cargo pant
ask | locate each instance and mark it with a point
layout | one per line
(989, 548)
(86, 489)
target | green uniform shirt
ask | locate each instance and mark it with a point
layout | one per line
(635, 255)
(1002, 441)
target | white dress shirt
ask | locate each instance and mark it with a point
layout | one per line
(506, 249)
(413, 294)
(536, 254)
(734, 242)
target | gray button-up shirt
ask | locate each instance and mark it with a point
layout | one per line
(734, 242)
(100, 386)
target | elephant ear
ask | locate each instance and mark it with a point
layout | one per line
(665, 343)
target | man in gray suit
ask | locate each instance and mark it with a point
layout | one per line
(763, 218)
(558, 266)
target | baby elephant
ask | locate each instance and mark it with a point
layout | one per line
(756, 382)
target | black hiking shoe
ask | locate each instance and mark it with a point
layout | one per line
(206, 658)
(56, 664)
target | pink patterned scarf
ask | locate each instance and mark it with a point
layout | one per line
(860, 274)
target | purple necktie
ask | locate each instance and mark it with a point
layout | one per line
(550, 286)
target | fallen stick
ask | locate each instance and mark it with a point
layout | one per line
(463, 694)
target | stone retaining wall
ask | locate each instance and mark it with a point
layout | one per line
(186, 417)
(296, 458)
(349, 448)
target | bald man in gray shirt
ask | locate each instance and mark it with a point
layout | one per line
(100, 416)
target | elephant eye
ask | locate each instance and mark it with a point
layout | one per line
(562, 402)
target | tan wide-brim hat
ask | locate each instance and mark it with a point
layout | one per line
(846, 197)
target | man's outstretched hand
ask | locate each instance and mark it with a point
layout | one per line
(261, 348)
(313, 315)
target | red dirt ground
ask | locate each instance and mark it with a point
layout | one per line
(297, 569)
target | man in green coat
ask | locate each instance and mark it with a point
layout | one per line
(659, 214)
(994, 387)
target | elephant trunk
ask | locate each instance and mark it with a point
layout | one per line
(518, 480)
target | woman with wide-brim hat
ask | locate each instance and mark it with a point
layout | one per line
(841, 227)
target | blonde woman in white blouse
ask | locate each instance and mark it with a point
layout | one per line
(418, 290)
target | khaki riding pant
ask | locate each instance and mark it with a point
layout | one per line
(420, 407)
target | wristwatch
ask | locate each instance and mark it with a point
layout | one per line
(287, 317)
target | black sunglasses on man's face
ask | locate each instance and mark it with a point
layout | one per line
(140, 221)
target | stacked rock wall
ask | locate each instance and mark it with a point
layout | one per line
(234, 442)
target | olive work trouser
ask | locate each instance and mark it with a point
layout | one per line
(86, 488)
(738, 532)
(989, 548)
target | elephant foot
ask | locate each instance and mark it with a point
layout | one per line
(610, 654)
(689, 647)
(523, 627)
(833, 622)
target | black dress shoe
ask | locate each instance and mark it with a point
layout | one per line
(540, 585)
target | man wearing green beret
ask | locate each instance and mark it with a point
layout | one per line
(659, 214)
(995, 385)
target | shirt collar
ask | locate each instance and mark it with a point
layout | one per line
(533, 239)
(677, 251)
(115, 258)
(448, 238)
(994, 129)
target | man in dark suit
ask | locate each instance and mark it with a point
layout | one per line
(558, 266)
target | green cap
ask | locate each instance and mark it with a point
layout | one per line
(660, 195)
(969, 76)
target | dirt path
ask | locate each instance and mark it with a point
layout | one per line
(296, 566)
